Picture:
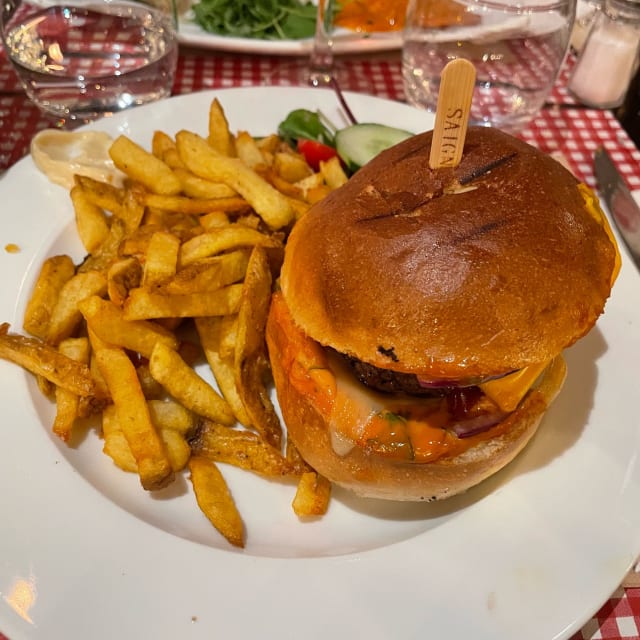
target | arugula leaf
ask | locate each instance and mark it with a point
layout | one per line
(261, 19)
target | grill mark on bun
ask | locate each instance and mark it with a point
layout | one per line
(405, 204)
(478, 232)
(481, 170)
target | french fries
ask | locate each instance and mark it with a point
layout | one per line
(204, 161)
(186, 386)
(176, 287)
(312, 495)
(54, 274)
(132, 414)
(215, 500)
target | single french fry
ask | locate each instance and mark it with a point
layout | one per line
(54, 274)
(182, 204)
(169, 414)
(143, 304)
(66, 315)
(132, 211)
(117, 447)
(115, 443)
(333, 173)
(196, 187)
(106, 320)
(91, 221)
(186, 386)
(242, 448)
(108, 252)
(233, 236)
(200, 158)
(251, 363)
(151, 388)
(248, 151)
(312, 495)
(161, 259)
(147, 447)
(288, 189)
(101, 194)
(122, 276)
(44, 360)
(102, 390)
(177, 447)
(208, 274)
(314, 181)
(269, 144)
(210, 330)
(68, 403)
(291, 166)
(215, 500)
(228, 336)
(219, 136)
(161, 144)
(143, 167)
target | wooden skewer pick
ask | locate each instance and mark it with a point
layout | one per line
(452, 115)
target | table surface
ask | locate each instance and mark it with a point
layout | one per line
(563, 127)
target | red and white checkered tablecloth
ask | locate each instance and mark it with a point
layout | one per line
(564, 128)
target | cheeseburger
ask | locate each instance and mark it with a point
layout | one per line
(416, 340)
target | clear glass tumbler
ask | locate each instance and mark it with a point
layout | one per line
(517, 48)
(83, 59)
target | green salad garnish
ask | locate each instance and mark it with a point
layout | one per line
(263, 19)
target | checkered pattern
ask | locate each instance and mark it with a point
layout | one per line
(563, 127)
(618, 618)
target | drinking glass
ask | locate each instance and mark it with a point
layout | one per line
(321, 61)
(517, 48)
(320, 68)
(83, 59)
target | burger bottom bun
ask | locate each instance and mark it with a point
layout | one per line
(374, 476)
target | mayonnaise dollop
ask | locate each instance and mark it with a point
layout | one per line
(62, 154)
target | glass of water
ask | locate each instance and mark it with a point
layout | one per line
(84, 59)
(516, 47)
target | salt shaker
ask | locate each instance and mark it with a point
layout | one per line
(609, 57)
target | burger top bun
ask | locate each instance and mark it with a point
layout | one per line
(450, 273)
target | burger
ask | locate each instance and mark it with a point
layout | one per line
(417, 334)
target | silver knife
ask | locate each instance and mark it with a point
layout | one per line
(620, 202)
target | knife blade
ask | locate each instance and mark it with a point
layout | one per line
(620, 202)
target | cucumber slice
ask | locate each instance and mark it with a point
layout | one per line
(359, 143)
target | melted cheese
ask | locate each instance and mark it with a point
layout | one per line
(62, 154)
(400, 427)
(593, 207)
(507, 392)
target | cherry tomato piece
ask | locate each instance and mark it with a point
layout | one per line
(315, 152)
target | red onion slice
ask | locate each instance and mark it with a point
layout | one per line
(478, 424)
(458, 384)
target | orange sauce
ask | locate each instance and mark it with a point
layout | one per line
(413, 430)
(372, 15)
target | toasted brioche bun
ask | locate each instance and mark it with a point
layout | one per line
(450, 273)
(377, 476)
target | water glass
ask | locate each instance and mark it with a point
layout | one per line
(83, 59)
(517, 48)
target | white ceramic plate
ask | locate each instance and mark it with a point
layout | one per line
(86, 553)
(191, 33)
